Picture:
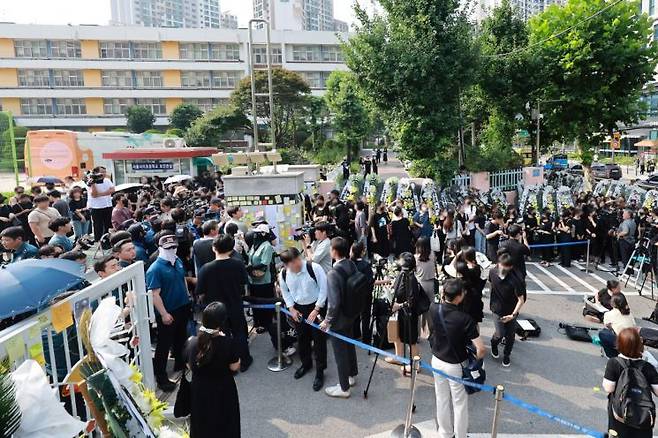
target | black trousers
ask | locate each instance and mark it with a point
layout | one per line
(625, 251)
(362, 324)
(345, 355)
(102, 221)
(172, 338)
(505, 330)
(311, 341)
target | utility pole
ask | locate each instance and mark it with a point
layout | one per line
(535, 155)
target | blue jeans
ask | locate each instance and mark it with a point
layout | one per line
(80, 228)
(480, 242)
(608, 342)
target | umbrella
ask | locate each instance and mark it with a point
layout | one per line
(50, 180)
(30, 284)
(177, 178)
(128, 186)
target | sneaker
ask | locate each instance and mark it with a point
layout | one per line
(494, 351)
(337, 391)
(352, 381)
(289, 351)
(506, 361)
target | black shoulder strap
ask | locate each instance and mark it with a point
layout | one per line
(311, 271)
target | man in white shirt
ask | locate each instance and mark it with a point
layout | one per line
(304, 290)
(320, 251)
(100, 203)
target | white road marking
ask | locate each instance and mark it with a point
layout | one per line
(571, 292)
(551, 276)
(575, 277)
(539, 283)
(591, 274)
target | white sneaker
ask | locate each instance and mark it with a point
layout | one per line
(337, 391)
(352, 381)
(289, 351)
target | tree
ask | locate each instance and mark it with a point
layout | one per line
(208, 129)
(507, 76)
(139, 119)
(183, 115)
(317, 114)
(290, 97)
(595, 71)
(349, 116)
(413, 63)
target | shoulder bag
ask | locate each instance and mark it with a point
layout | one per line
(474, 371)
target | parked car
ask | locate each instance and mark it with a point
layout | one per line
(606, 171)
(576, 169)
(650, 183)
(557, 162)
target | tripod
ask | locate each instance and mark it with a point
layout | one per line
(640, 257)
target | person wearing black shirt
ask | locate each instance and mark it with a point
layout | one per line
(493, 231)
(362, 328)
(202, 251)
(604, 298)
(545, 237)
(507, 297)
(517, 247)
(452, 331)
(224, 280)
(6, 214)
(564, 231)
(320, 211)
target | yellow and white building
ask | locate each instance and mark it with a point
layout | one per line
(84, 77)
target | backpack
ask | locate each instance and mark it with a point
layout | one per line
(355, 292)
(309, 268)
(183, 234)
(632, 402)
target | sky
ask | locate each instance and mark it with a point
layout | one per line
(98, 11)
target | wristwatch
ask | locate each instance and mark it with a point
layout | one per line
(308, 246)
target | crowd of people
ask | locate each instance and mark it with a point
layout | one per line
(202, 262)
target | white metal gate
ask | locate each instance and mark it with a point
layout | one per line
(35, 337)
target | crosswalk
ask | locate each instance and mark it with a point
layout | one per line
(558, 280)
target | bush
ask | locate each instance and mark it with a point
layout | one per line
(153, 131)
(331, 152)
(175, 132)
(293, 156)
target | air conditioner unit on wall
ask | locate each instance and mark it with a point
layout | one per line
(173, 143)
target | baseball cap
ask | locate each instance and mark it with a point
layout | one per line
(259, 221)
(168, 242)
(262, 228)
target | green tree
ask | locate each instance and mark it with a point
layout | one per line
(316, 117)
(507, 76)
(183, 115)
(413, 62)
(208, 129)
(139, 119)
(349, 115)
(595, 70)
(290, 98)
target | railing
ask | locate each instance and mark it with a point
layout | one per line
(505, 179)
(36, 337)
(462, 181)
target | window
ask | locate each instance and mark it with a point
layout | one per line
(317, 54)
(332, 54)
(147, 51)
(195, 79)
(206, 104)
(33, 78)
(194, 51)
(652, 7)
(115, 50)
(65, 49)
(316, 79)
(226, 79)
(157, 106)
(36, 107)
(224, 52)
(117, 78)
(31, 48)
(148, 79)
(260, 55)
(116, 106)
(68, 78)
(71, 107)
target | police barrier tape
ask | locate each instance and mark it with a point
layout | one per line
(483, 387)
(548, 245)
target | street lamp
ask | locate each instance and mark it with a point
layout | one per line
(536, 113)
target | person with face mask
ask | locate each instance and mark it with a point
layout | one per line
(165, 279)
(508, 294)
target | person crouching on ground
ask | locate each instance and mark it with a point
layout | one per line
(304, 290)
(453, 331)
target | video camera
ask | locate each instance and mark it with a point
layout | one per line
(95, 178)
(308, 229)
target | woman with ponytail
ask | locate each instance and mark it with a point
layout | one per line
(213, 358)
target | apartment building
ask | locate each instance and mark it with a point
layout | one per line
(311, 15)
(169, 13)
(84, 77)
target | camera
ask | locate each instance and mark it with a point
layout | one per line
(304, 230)
(85, 242)
(95, 178)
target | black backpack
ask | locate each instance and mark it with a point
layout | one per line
(309, 268)
(632, 401)
(183, 234)
(355, 292)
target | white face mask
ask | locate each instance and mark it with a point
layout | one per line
(168, 254)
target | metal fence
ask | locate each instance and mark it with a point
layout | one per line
(505, 179)
(36, 338)
(462, 181)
